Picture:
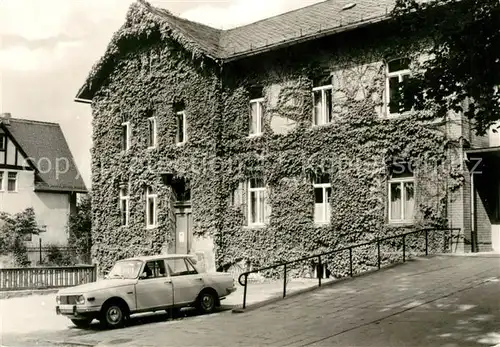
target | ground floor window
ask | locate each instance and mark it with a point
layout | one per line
(322, 199)
(258, 207)
(401, 196)
(151, 207)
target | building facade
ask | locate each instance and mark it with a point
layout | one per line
(37, 170)
(270, 141)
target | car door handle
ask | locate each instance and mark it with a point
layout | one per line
(168, 281)
(199, 279)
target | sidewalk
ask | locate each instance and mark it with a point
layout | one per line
(438, 301)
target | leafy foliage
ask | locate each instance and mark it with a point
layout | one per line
(57, 257)
(13, 231)
(80, 227)
(219, 155)
(463, 57)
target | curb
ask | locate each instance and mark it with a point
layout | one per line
(251, 307)
(23, 293)
(471, 255)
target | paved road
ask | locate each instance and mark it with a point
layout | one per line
(439, 301)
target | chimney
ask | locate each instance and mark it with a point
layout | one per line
(5, 118)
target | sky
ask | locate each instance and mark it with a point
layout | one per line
(47, 48)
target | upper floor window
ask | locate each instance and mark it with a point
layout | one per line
(401, 194)
(124, 205)
(256, 116)
(3, 140)
(258, 207)
(322, 198)
(322, 100)
(152, 137)
(12, 181)
(397, 71)
(1, 181)
(181, 131)
(151, 207)
(126, 136)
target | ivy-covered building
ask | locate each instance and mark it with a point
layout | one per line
(271, 140)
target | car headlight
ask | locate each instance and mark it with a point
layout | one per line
(58, 300)
(80, 300)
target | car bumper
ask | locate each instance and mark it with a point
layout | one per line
(76, 311)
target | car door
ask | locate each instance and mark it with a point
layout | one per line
(154, 288)
(187, 282)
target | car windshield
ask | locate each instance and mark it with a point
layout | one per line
(126, 269)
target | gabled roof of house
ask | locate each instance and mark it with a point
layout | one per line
(304, 24)
(48, 152)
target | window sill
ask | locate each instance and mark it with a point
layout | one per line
(253, 136)
(150, 227)
(318, 126)
(401, 223)
(180, 144)
(255, 226)
(321, 224)
(151, 148)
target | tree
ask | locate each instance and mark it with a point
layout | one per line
(80, 225)
(464, 57)
(13, 232)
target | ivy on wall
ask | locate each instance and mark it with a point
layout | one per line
(153, 69)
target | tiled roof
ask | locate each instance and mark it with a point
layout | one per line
(302, 24)
(44, 143)
(305, 23)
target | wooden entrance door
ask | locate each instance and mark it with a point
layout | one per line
(183, 229)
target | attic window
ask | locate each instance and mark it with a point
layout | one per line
(2, 142)
(348, 6)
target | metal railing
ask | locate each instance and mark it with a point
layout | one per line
(377, 241)
(46, 277)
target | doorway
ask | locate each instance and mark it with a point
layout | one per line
(183, 229)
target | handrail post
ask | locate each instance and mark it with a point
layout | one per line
(404, 247)
(245, 292)
(350, 261)
(378, 253)
(284, 281)
(426, 242)
(321, 269)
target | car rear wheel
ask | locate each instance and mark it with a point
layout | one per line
(113, 315)
(207, 301)
(82, 323)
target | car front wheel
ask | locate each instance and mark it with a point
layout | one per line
(113, 315)
(207, 302)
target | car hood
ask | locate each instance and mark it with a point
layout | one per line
(99, 285)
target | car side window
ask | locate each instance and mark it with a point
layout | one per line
(154, 269)
(179, 267)
(191, 268)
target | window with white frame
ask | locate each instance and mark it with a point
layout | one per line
(181, 131)
(256, 116)
(258, 207)
(401, 195)
(151, 207)
(1, 181)
(322, 198)
(126, 136)
(397, 71)
(12, 181)
(152, 137)
(322, 100)
(124, 204)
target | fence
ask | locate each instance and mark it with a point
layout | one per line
(46, 277)
(397, 248)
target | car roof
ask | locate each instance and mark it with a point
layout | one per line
(161, 256)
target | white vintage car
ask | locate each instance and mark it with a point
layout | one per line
(144, 284)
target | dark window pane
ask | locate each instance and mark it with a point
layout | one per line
(328, 101)
(399, 64)
(2, 142)
(256, 183)
(151, 133)
(317, 99)
(318, 195)
(124, 136)
(180, 128)
(394, 95)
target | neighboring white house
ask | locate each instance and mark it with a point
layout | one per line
(37, 170)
